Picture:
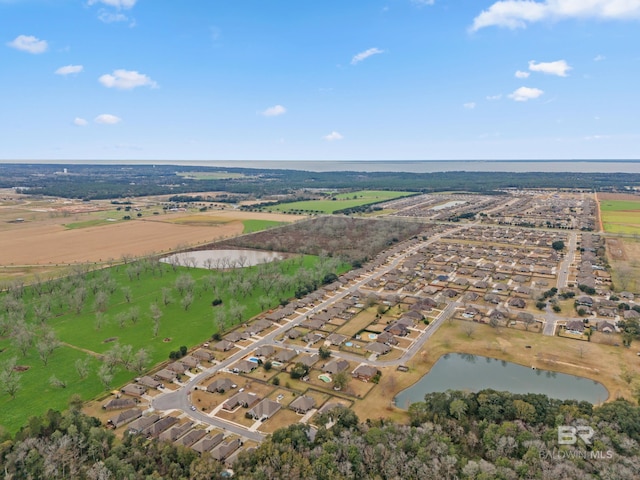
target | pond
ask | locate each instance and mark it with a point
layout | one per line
(222, 259)
(473, 373)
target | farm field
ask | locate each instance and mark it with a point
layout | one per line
(47, 234)
(620, 215)
(91, 333)
(342, 201)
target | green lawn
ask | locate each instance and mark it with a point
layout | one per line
(210, 175)
(342, 201)
(620, 216)
(183, 327)
(251, 226)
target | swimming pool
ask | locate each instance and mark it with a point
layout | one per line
(348, 344)
(276, 363)
(325, 378)
(373, 336)
(254, 359)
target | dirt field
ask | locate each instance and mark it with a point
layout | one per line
(35, 232)
(618, 196)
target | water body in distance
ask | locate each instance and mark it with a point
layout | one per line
(473, 373)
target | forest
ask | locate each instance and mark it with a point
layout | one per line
(92, 182)
(483, 436)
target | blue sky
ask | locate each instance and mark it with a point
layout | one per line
(313, 80)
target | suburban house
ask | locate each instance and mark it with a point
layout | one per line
(177, 367)
(242, 399)
(120, 403)
(398, 329)
(309, 360)
(265, 409)
(165, 375)
(176, 432)
(377, 347)
(191, 437)
(584, 300)
(631, 315)
(575, 326)
(154, 431)
(293, 333)
(245, 366)
(134, 390)
(222, 451)
(141, 423)
(517, 302)
(365, 372)
(189, 361)
(387, 337)
(335, 366)
(149, 382)
(264, 351)
(124, 417)
(203, 355)
(206, 443)
(220, 385)
(302, 404)
(336, 339)
(285, 355)
(606, 327)
(223, 346)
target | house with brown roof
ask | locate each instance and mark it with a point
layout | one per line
(302, 404)
(241, 399)
(285, 355)
(141, 423)
(203, 355)
(336, 366)
(575, 326)
(293, 333)
(154, 430)
(387, 337)
(264, 351)
(177, 367)
(120, 403)
(225, 449)
(134, 390)
(517, 302)
(309, 360)
(245, 366)
(220, 385)
(165, 375)
(149, 382)
(377, 347)
(176, 432)
(191, 437)
(206, 443)
(364, 372)
(336, 339)
(223, 346)
(606, 327)
(265, 409)
(124, 417)
(189, 361)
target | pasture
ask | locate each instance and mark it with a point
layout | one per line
(620, 216)
(118, 309)
(340, 201)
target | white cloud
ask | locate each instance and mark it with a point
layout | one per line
(493, 98)
(124, 4)
(523, 94)
(599, 58)
(469, 105)
(80, 122)
(333, 136)
(521, 74)
(126, 80)
(422, 3)
(364, 55)
(274, 111)
(559, 67)
(107, 119)
(518, 13)
(108, 17)
(29, 43)
(69, 69)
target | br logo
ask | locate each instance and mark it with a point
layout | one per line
(568, 435)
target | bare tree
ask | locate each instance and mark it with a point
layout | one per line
(22, 337)
(469, 329)
(47, 344)
(9, 378)
(105, 376)
(186, 301)
(82, 367)
(55, 382)
(140, 361)
(126, 292)
(166, 296)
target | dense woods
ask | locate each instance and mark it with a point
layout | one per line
(485, 435)
(116, 181)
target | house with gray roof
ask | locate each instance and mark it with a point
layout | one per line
(220, 385)
(124, 417)
(265, 409)
(336, 366)
(302, 404)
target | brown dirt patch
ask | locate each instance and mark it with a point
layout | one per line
(21, 368)
(615, 249)
(618, 196)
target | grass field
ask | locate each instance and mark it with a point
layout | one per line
(342, 201)
(82, 337)
(620, 216)
(210, 175)
(251, 226)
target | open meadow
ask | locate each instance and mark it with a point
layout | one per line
(620, 213)
(340, 202)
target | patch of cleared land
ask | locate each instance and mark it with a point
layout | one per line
(342, 201)
(620, 215)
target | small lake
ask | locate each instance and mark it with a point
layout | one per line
(222, 259)
(459, 371)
